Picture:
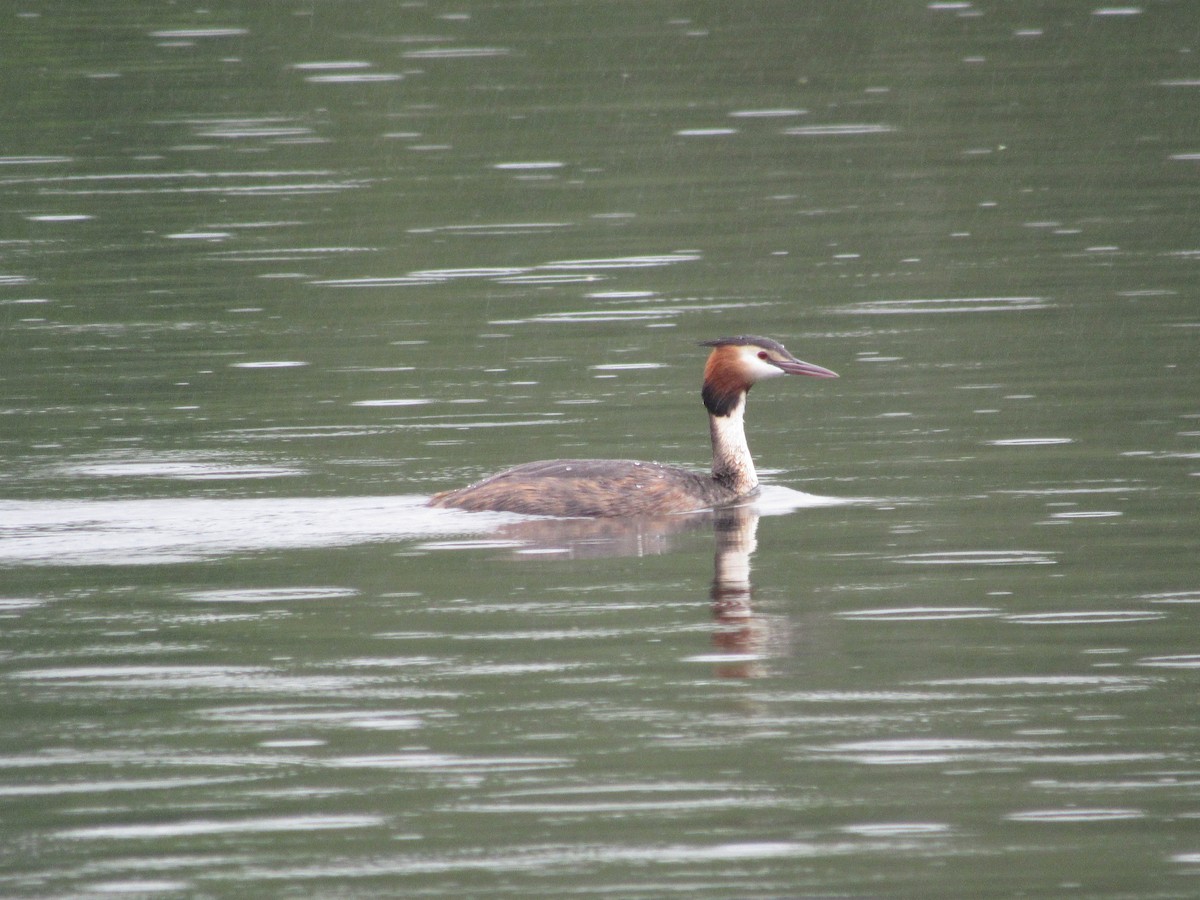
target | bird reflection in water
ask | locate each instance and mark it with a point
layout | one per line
(741, 639)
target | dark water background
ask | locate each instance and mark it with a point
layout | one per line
(272, 272)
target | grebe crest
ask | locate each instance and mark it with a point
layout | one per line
(618, 487)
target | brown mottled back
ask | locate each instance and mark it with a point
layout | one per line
(590, 487)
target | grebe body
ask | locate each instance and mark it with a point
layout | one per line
(620, 487)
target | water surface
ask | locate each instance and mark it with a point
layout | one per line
(272, 274)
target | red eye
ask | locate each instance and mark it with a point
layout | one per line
(762, 354)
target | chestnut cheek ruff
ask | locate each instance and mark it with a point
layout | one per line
(724, 385)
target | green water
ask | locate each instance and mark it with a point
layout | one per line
(272, 273)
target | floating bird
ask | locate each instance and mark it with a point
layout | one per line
(623, 487)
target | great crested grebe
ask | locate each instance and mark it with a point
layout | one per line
(622, 487)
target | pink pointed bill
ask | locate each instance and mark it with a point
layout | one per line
(799, 367)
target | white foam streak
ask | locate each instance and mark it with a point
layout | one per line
(119, 532)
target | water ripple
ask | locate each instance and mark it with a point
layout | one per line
(116, 785)
(1086, 617)
(921, 613)
(1031, 441)
(188, 33)
(943, 305)
(1057, 816)
(182, 467)
(839, 130)
(199, 827)
(979, 558)
(354, 78)
(457, 53)
(571, 270)
(270, 595)
(1185, 661)
(423, 761)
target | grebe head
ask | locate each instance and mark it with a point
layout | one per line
(737, 363)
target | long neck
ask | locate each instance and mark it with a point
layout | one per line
(732, 465)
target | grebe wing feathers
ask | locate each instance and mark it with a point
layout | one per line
(590, 487)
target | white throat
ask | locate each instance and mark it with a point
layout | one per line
(732, 464)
